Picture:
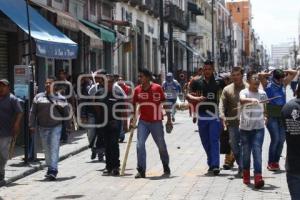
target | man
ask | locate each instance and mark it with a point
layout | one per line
(208, 123)
(48, 109)
(10, 120)
(111, 128)
(229, 113)
(171, 88)
(252, 128)
(276, 87)
(291, 116)
(150, 97)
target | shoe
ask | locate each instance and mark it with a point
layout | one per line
(258, 181)
(121, 140)
(194, 120)
(210, 170)
(93, 156)
(216, 171)
(273, 167)
(115, 172)
(227, 167)
(167, 171)
(141, 174)
(107, 172)
(246, 176)
(51, 175)
(276, 165)
(173, 119)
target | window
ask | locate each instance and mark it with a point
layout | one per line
(93, 7)
(238, 9)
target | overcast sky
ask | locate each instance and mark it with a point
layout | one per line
(276, 21)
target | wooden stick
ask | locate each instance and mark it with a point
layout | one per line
(12, 148)
(128, 148)
(264, 101)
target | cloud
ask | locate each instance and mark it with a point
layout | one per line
(275, 21)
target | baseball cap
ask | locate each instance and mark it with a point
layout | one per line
(169, 74)
(4, 82)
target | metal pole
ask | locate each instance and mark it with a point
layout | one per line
(170, 68)
(29, 141)
(162, 37)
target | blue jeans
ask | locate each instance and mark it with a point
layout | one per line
(236, 144)
(50, 137)
(209, 131)
(277, 133)
(293, 181)
(157, 131)
(252, 142)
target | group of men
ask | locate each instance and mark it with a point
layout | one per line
(242, 107)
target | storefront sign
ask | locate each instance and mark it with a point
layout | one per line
(67, 23)
(22, 76)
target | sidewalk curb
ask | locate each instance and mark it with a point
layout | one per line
(41, 167)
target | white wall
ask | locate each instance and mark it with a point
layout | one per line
(44, 2)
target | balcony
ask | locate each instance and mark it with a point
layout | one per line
(150, 6)
(136, 2)
(176, 15)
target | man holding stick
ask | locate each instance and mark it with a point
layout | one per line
(10, 119)
(150, 97)
(276, 87)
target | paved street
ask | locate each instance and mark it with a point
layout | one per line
(80, 178)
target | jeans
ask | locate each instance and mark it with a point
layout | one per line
(252, 142)
(111, 141)
(236, 144)
(172, 102)
(50, 137)
(4, 151)
(157, 131)
(209, 131)
(277, 133)
(293, 181)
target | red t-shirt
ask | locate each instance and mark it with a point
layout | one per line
(150, 102)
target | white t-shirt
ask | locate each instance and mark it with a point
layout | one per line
(252, 116)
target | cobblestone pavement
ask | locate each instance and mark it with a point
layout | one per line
(80, 178)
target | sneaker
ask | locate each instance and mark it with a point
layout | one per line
(210, 170)
(107, 172)
(115, 172)
(140, 174)
(51, 177)
(167, 170)
(93, 156)
(272, 167)
(246, 177)
(173, 119)
(276, 165)
(2, 176)
(258, 181)
(227, 167)
(216, 171)
(194, 120)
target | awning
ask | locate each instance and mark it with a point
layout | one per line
(67, 21)
(191, 49)
(105, 33)
(50, 42)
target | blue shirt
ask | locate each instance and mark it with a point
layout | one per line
(274, 89)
